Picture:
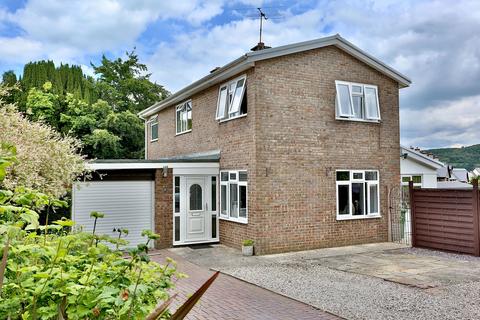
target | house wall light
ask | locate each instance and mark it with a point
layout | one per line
(165, 171)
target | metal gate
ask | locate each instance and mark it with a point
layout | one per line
(400, 225)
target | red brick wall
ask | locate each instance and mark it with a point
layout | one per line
(300, 145)
(164, 208)
(291, 145)
(235, 139)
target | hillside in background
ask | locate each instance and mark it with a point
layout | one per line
(464, 157)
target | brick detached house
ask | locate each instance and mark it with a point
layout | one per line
(293, 147)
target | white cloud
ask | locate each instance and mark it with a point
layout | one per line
(70, 30)
(193, 55)
(19, 49)
(445, 124)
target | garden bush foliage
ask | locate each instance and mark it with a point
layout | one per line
(52, 272)
(47, 160)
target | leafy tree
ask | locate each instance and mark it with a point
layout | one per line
(9, 78)
(130, 129)
(11, 89)
(101, 113)
(103, 144)
(65, 79)
(125, 84)
(43, 105)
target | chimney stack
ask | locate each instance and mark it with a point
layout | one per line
(260, 46)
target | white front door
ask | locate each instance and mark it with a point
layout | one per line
(196, 209)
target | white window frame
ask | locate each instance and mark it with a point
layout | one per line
(153, 121)
(339, 115)
(230, 87)
(366, 194)
(181, 109)
(179, 212)
(239, 183)
(410, 176)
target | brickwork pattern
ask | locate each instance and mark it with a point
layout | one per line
(300, 144)
(235, 139)
(291, 144)
(164, 208)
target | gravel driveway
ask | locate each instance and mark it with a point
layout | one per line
(313, 278)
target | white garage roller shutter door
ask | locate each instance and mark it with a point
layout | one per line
(126, 204)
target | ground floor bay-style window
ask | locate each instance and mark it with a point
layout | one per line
(358, 194)
(233, 196)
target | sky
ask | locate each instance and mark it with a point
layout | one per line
(435, 43)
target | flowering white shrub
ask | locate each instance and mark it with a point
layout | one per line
(47, 160)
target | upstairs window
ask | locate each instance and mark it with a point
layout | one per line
(232, 101)
(184, 117)
(357, 101)
(154, 129)
(358, 194)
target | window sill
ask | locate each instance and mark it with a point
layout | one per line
(341, 218)
(237, 117)
(180, 133)
(154, 140)
(241, 221)
(358, 120)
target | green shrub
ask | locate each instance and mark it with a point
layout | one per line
(54, 272)
(247, 243)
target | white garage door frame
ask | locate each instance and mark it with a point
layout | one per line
(88, 184)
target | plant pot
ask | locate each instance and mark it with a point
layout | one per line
(247, 250)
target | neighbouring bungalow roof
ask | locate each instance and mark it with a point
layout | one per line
(443, 172)
(248, 60)
(453, 185)
(422, 158)
(118, 164)
(461, 174)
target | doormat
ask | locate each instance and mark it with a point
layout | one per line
(200, 246)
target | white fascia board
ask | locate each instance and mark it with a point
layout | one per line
(422, 159)
(159, 165)
(291, 48)
(196, 171)
(373, 62)
(337, 41)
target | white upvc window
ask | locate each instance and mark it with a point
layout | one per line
(231, 101)
(356, 101)
(153, 129)
(234, 196)
(358, 194)
(183, 117)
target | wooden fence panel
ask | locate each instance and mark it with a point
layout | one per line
(446, 219)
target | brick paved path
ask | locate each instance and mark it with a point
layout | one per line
(230, 298)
